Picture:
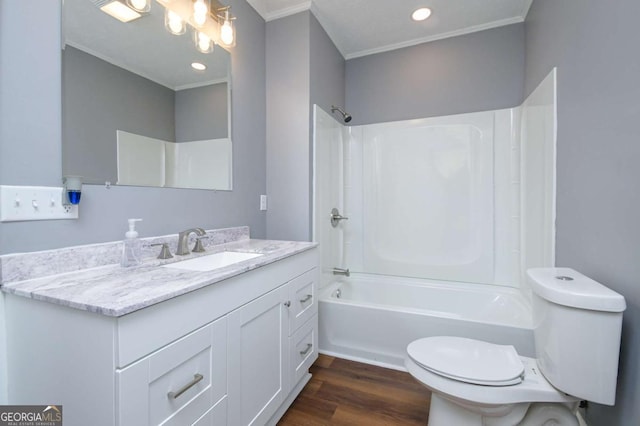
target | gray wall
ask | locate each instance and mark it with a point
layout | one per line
(303, 67)
(30, 140)
(287, 127)
(475, 72)
(201, 113)
(327, 85)
(595, 47)
(99, 98)
(30, 107)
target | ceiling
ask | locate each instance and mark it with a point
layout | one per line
(364, 27)
(357, 27)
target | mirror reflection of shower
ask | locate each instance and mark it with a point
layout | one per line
(346, 117)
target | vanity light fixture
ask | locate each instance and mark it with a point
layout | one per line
(211, 21)
(118, 10)
(198, 66)
(421, 14)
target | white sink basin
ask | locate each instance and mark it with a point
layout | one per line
(213, 261)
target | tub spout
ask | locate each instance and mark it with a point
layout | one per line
(340, 271)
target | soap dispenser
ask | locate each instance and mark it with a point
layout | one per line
(132, 250)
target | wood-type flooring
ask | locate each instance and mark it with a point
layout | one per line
(344, 392)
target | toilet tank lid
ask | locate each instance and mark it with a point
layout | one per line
(565, 286)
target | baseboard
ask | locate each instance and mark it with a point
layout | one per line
(362, 360)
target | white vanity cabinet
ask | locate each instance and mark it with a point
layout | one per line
(303, 329)
(178, 384)
(232, 353)
(267, 354)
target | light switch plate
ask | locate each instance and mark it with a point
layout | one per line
(24, 203)
(263, 202)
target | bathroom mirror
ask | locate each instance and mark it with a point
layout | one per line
(134, 111)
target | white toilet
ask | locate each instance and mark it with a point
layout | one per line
(577, 325)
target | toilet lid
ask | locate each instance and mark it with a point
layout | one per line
(468, 360)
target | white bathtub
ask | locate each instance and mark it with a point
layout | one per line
(372, 318)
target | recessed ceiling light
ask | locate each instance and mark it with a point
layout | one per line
(421, 14)
(198, 66)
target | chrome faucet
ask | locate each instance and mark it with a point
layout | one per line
(183, 240)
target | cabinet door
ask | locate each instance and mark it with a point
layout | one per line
(216, 416)
(258, 359)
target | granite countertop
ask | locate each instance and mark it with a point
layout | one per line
(115, 291)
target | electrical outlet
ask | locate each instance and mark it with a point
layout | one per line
(263, 202)
(23, 203)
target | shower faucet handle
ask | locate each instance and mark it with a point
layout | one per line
(336, 217)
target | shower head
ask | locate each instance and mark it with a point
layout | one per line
(346, 117)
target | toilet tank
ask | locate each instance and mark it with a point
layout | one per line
(577, 325)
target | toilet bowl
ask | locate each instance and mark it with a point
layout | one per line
(476, 383)
(577, 327)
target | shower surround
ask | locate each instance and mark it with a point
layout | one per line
(445, 214)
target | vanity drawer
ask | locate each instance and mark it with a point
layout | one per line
(177, 384)
(303, 297)
(303, 346)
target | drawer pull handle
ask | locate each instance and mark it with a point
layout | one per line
(306, 351)
(196, 378)
(306, 298)
(287, 303)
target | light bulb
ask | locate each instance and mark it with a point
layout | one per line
(203, 42)
(226, 32)
(140, 5)
(200, 11)
(174, 24)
